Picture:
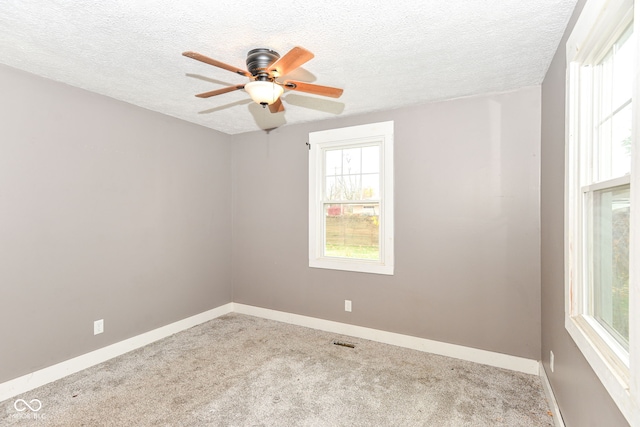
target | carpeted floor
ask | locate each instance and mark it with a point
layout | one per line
(239, 370)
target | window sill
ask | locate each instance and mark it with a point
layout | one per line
(359, 266)
(614, 379)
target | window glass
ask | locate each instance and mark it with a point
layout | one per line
(351, 161)
(610, 261)
(371, 159)
(333, 162)
(352, 230)
(612, 116)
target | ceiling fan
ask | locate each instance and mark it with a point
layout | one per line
(265, 67)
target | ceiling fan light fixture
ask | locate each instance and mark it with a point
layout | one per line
(264, 92)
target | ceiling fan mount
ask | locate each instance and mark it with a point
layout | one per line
(264, 67)
(258, 61)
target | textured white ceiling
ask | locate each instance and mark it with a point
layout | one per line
(385, 54)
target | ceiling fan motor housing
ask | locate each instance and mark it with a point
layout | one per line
(258, 60)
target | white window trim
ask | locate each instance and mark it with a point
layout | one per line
(381, 133)
(618, 372)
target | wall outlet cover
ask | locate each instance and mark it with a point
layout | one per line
(98, 327)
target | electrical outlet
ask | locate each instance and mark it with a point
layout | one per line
(98, 327)
(347, 305)
(551, 360)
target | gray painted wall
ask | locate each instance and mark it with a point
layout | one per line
(106, 211)
(467, 226)
(582, 399)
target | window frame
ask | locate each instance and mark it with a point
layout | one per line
(600, 24)
(381, 134)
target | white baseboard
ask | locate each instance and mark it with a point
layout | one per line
(55, 372)
(52, 373)
(551, 398)
(485, 357)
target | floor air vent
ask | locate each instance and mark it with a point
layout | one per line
(344, 344)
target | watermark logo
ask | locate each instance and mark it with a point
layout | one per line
(21, 405)
(33, 406)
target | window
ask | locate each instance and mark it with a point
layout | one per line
(351, 198)
(602, 303)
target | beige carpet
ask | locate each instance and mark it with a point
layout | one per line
(240, 370)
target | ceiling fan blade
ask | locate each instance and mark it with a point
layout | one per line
(277, 106)
(290, 61)
(210, 61)
(332, 92)
(219, 91)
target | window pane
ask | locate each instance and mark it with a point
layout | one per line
(621, 142)
(371, 186)
(371, 159)
(331, 191)
(610, 281)
(352, 174)
(333, 162)
(614, 146)
(351, 161)
(352, 230)
(341, 188)
(623, 68)
(613, 79)
(346, 187)
(604, 79)
(602, 153)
